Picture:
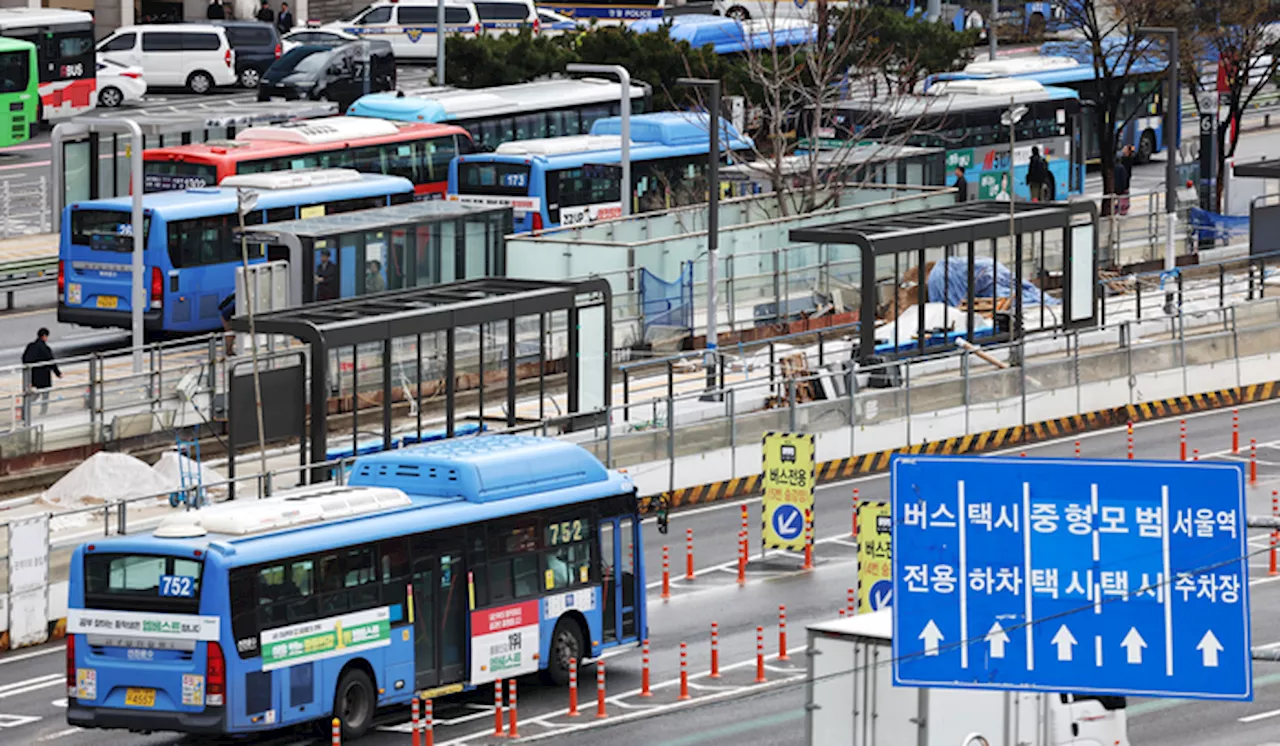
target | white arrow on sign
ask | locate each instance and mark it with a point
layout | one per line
(997, 638)
(1210, 647)
(1133, 644)
(784, 524)
(881, 600)
(931, 635)
(1064, 640)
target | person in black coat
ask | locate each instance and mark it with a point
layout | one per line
(284, 22)
(266, 14)
(326, 278)
(38, 352)
(215, 11)
(961, 185)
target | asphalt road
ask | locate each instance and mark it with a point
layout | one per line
(742, 714)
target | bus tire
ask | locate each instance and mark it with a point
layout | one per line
(738, 13)
(567, 641)
(200, 82)
(354, 703)
(1146, 147)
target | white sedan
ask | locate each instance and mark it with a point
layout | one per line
(119, 83)
(301, 36)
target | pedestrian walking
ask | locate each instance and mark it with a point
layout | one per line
(961, 185)
(284, 22)
(266, 14)
(1121, 186)
(1038, 176)
(37, 352)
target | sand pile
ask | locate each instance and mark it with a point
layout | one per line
(104, 477)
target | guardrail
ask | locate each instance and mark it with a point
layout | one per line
(28, 273)
(25, 207)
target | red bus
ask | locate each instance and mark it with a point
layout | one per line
(419, 152)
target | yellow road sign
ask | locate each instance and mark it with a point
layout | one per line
(789, 479)
(875, 559)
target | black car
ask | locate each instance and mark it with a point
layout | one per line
(331, 72)
(257, 47)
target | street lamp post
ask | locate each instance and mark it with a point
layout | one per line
(712, 88)
(624, 77)
(1171, 165)
(1010, 119)
(440, 42)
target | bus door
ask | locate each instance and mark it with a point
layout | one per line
(440, 616)
(619, 544)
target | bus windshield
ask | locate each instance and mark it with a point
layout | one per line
(15, 71)
(142, 582)
(160, 176)
(106, 230)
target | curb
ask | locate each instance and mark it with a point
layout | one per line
(990, 440)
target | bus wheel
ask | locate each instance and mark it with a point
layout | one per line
(353, 703)
(1146, 147)
(566, 643)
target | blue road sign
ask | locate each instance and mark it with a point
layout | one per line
(788, 521)
(881, 595)
(1117, 577)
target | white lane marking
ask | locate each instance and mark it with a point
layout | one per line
(26, 682)
(56, 681)
(34, 654)
(60, 734)
(1258, 716)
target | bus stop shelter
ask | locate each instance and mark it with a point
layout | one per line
(1054, 243)
(421, 346)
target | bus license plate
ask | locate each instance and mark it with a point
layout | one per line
(107, 301)
(140, 697)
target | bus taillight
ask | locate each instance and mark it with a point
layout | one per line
(215, 676)
(157, 288)
(62, 280)
(71, 666)
(537, 221)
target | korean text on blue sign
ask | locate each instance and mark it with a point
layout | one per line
(1115, 577)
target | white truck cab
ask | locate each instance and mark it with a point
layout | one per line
(851, 701)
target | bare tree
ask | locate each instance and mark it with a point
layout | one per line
(1230, 56)
(1109, 29)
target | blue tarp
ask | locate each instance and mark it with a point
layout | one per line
(948, 278)
(727, 35)
(1216, 227)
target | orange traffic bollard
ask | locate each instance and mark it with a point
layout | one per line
(688, 558)
(684, 671)
(601, 712)
(855, 512)
(1077, 449)
(1022, 455)
(808, 541)
(745, 528)
(1182, 440)
(1130, 440)
(429, 724)
(1195, 454)
(514, 732)
(782, 633)
(851, 600)
(742, 558)
(715, 651)
(336, 733)
(842, 613)
(1275, 513)
(1253, 461)
(573, 688)
(413, 716)
(644, 672)
(666, 574)
(1235, 431)
(497, 709)
(760, 655)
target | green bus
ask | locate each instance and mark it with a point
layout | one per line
(19, 90)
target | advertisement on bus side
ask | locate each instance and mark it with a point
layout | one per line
(326, 638)
(503, 642)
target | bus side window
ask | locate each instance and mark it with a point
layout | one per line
(442, 150)
(393, 558)
(299, 590)
(244, 625)
(362, 578)
(333, 596)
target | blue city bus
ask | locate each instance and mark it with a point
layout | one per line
(577, 180)
(190, 254)
(964, 117)
(440, 568)
(1142, 105)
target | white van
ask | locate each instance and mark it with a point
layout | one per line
(197, 56)
(746, 10)
(411, 26)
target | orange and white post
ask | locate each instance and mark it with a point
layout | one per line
(601, 711)
(808, 540)
(1077, 449)
(497, 709)
(684, 671)
(428, 724)
(1253, 460)
(415, 720)
(1182, 440)
(688, 554)
(760, 679)
(1275, 534)
(573, 688)
(782, 633)
(1130, 440)
(335, 736)
(644, 671)
(1235, 431)
(855, 513)
(715, 651)
(514, 731)
(666, 574)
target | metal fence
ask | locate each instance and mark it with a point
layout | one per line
(25, 207)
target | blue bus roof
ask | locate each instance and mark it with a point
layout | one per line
(206, 201)
(729, 36)
(449, 483)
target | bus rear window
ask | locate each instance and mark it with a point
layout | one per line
(142, 582)
(15, 71)
(106, 230)
(163, 176)
(480, 177)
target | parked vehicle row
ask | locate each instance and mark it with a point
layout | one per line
(196, 56)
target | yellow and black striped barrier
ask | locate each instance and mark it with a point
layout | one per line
(991, 440)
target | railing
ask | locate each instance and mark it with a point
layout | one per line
(24, 207)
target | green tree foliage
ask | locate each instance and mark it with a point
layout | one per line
(910, 48)
(486, 61)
